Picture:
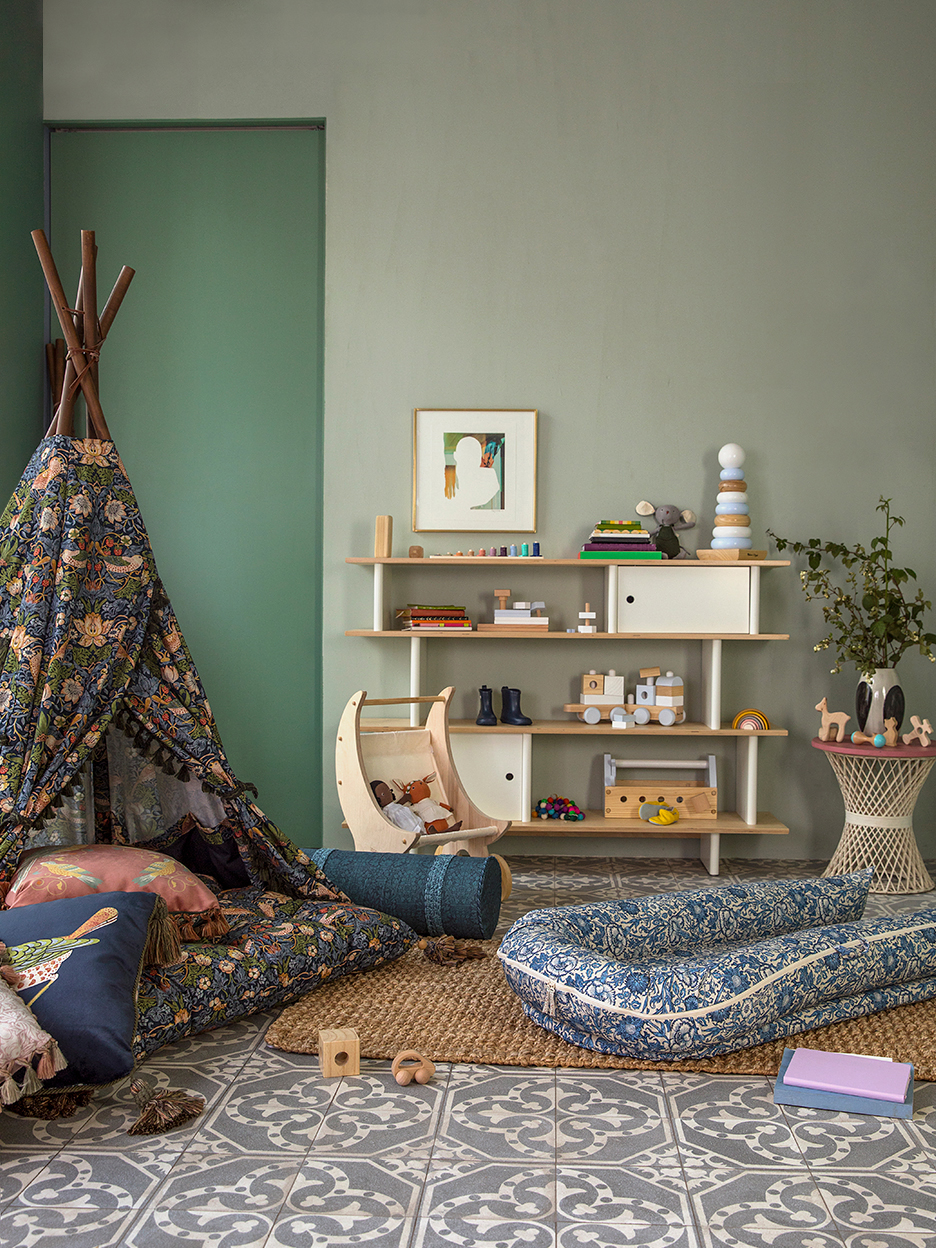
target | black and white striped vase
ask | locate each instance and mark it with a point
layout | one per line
(879, 696)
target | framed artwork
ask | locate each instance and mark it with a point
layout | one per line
(474, 471)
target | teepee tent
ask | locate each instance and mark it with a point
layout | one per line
(105, 730)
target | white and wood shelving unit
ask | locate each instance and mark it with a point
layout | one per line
(708, 603)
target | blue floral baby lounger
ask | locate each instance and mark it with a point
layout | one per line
(696, 974)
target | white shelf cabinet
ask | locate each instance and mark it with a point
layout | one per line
(705, 602)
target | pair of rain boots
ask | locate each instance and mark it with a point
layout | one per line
(510, 708)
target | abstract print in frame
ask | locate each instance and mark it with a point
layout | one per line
(474, 471)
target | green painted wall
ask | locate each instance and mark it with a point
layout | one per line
(211, 383)
(21, 309)
(665, 225)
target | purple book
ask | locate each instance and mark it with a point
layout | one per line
(849, 1073)
(618, 546)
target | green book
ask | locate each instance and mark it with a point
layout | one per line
(622, 556)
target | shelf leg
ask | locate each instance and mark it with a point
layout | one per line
(611, 598)
(747, 779)
(754, 610)
(708, 851)
(380, 597)
(415, 678)
(711, 683)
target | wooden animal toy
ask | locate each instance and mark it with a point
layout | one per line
(833, 723)
(436, 815)
(409, 1065)
(669, 520)
(890, 732)
(922, 729)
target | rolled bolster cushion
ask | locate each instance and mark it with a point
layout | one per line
(434, 894)
(695, 974)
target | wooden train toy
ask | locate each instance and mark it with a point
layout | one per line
(658, 699)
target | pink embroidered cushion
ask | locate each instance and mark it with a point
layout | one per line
(78, 871)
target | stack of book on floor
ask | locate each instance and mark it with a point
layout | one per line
(521, 617)
(422, 618)
(619, 539)
(846, 1082)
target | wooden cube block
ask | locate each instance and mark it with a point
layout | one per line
(614, 687)
(339, 1052)
(383, 537)
(593, 682)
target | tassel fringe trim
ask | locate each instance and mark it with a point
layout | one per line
(204, 925)
(22, 1079)
(162, 1110)
(448, 951)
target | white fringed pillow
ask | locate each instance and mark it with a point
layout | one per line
(28, 1055)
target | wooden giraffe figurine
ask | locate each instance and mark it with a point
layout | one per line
(833, 722)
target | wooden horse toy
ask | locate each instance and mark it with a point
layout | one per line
(922, 730)
(833, 722)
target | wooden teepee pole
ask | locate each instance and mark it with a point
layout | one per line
(74, 343)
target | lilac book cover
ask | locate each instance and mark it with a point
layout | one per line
(849, 1073)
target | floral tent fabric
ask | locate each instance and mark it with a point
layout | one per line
(99, 695)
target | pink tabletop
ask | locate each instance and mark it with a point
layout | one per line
(871, 751)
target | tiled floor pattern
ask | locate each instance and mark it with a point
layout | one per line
(482, 1155)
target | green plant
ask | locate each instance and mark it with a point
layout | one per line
(871, 620)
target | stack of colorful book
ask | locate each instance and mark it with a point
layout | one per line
(845, 1081)
(619, 539)
(418, 617)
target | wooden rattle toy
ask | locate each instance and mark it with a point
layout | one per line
(833, 723)
(922, 730)
(880, 739)
(409, 1065)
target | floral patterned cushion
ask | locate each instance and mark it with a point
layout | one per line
(278, 949)
(694, 974)
(79, 871)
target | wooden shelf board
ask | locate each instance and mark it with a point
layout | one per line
(575, 728)
(595, 824)
(462, 634)
(526, 560)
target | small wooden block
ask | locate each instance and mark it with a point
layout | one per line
(593, 684)
(339, 1052)
(647, 672)
(383, 537)
(502, 595)
(417, 552)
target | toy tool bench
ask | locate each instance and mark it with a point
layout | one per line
(706, 602)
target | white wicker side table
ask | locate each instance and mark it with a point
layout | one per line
(880, 789)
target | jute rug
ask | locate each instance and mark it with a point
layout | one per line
(467, 1013)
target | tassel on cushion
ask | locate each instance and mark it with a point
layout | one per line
(204, 925)
(448, 951)
(163, 945)
(162, 1110)
(51, 1061)
(52, 1105)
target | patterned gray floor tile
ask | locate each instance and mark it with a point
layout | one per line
(728, 1121)
(372, 1116)
(271, 1107)
(634, 1195)
(613, 1116)
(80, 1228)
(237, 1039)
(124, 1179)
(886, 1239)
(303, 1230)
(862, 1201)
(342, 1186)
(625, 1235)
(161, 1228)
(768, 1236)
(17, 1172)
(859, 1142)
(213, 1178)
(770, 1198)
(514, 1233)
(499, 1113)
(19, 1135)
(469, 1192)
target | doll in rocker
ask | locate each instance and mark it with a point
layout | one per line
(436, 815)
(403, 816)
